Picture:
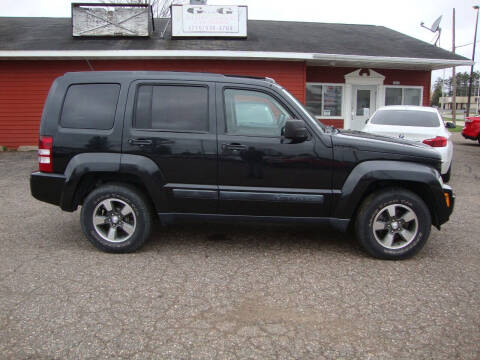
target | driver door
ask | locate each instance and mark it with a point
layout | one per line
(259, 172)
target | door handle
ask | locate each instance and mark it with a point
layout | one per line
(140, 141)
(234, 147)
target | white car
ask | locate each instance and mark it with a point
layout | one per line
(416, 123)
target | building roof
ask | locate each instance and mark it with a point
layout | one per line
(316, 43)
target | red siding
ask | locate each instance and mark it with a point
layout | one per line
(24, 85)
(404, 77)
(338, 123)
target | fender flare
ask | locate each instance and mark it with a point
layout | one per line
(140, 167)
(365, 174)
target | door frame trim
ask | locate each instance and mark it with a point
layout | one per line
(361, 77)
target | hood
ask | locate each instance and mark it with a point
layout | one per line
(367, 146)
(392, 140)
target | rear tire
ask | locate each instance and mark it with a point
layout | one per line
(116, 218)
(393, 224)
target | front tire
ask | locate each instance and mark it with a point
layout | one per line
(393, 224)
(116, 218)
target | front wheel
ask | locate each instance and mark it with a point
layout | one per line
(116, 218)
(393, 224)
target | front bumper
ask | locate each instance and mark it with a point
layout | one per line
(47, 187)
(466, 136)
(445, 205)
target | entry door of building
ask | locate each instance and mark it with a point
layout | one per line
(363, 105)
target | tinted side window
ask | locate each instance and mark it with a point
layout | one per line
(172, 108)
(90, 106)
(253, 113)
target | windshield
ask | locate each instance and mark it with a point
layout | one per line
(319, 125)
(405, 118)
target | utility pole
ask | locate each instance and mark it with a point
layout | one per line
(476, 7)
(454, 76)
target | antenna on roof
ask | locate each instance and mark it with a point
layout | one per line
(434, 28)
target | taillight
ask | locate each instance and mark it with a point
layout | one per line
(438, 141)
(45, 145)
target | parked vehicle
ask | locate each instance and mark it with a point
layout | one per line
(133, 146)
(417, 123)
(472, 128)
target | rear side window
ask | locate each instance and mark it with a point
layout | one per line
(90, 106)
(406, 118)
(172, 108)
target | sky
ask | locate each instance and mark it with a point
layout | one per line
(404, 16)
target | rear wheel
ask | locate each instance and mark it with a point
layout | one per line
(116, 218)
(393, 224)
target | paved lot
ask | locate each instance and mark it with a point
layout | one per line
(210, 291)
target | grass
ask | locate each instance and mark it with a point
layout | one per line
(456, 129)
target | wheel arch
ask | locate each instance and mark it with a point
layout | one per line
(91, 181)
(420, 189)
(371, 176)
(87, 171)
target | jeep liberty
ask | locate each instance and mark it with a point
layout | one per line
(132, 147)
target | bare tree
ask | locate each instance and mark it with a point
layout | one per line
(161, 8)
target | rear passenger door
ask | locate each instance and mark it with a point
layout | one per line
(173, 124)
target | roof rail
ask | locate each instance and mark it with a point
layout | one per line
(270, 80)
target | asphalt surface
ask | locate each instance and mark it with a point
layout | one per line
(234, 291)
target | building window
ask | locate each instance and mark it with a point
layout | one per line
(324, 100)
(403, 95)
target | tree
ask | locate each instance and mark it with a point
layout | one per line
(463, 80)
(437, 92)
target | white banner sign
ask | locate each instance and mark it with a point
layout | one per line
(219, 19)
(209, 21)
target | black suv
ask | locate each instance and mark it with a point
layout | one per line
(134, 146)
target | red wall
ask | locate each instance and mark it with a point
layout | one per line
(405, 77)
(337, 75)
(24, 85)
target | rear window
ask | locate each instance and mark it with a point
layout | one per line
(90, 106)
(405, 118)
(172, 108)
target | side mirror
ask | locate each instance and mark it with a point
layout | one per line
(450, 125)
(366, 121)
(295, 130)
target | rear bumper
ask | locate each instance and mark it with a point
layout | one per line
(47, 187)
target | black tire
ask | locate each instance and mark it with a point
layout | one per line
(409, 237)
(446, 177)
(129, 216)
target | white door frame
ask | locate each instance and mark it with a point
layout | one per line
(373, 101)
(368, 77)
